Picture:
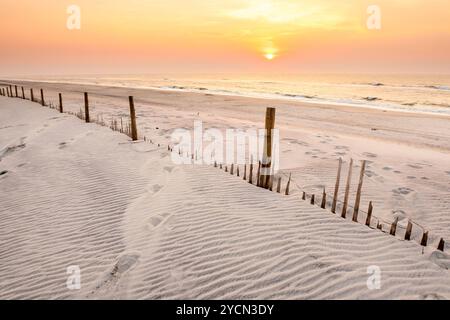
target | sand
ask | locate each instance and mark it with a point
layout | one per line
(139, 226)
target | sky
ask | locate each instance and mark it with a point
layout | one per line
(202, 36)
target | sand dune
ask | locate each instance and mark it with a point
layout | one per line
(139, 226)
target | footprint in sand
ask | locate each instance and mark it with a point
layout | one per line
(3, 172)
(431, 296)
(62, 145)
(415, 166)
(441, 259)
(402, 191)
(124, 264)
(169, 169)
(387, 168)
(156, 188)
(370, 155)
(155, 221)
(411, 177)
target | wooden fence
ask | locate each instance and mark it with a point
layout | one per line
(264, 177)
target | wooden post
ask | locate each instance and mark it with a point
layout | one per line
(245, 172)
(369, 214)
(358, 192)
(23, 93)
(215, 164)
(237, 170)
(15, 88)
(232, 169)
(304, 195)
(42, 98)
(379, 226)
(408, 230)
(134, 135)
(288, 185)
(279, 185)
(324, 199)
(267, 151)
(60, 104)
(226, 168)
(258, 175)
(424, 239)
(313, 199)
(31, 95)
(220, 166)
(7, 91)
(86, 108)
(347, 190)
(394, 227)
(336, 187)
(441, 244)
(10, 91)
(250, 177)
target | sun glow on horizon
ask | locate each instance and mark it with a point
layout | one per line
(269, 56)
(217, 35)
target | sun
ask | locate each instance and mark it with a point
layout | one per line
(269, 56)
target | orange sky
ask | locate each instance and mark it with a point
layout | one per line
(144, 36)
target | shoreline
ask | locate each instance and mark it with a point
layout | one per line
(276, 97)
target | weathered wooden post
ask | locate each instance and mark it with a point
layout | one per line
(336, 187)
(347, 190)
(313, 199)
(232, 169)
(15, 88)
(267, 152)
(237, 170)
(7, 91)
(86, 108)
(304, 195)
(42, 98)
(441, 244)
(31, 95)
(279, 185)
(10, 91)
(358, 192)
(250, 177)
(394, 227)
(324, 199)
(60, 104)
(245, 172)
(134, 135)
(288, 185)
(369, 214)
(23, 93)
(424, 239)
(408, 231)
(258, 175)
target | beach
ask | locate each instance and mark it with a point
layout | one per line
(141, 227)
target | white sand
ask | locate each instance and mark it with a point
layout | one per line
(140, 227)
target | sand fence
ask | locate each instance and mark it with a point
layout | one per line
(264, 176)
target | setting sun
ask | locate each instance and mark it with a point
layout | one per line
(269, 56)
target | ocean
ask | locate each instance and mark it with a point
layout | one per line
(410, 93)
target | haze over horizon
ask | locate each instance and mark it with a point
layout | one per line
(267, 36)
